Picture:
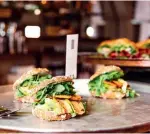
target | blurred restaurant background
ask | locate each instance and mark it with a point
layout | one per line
(33, 33)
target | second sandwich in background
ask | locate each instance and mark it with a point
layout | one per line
(119, 48)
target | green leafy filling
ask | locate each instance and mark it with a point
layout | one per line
(99, 49)
(99, 86)
(19, 93)
(98, 83)
(147, 45)
(31, 82)
(131, 93)
(120, 47)
(64, 88)
(105, 46)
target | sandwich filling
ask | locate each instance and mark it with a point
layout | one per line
(116, 51)
(63, 89)
(111, 82)
(61, 106)
(122, 51)
(25, 88)
(119, 48)
(144, 52)
(105, 50)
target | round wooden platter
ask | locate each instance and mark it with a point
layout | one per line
(94, 58)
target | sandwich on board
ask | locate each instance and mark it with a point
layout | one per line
(58, 100)
(144, 49)
(119, 48)
(108, 84)
(26, 85)
(52, 98)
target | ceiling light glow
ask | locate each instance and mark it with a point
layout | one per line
(32, 31)
(37, 11)
(90, 31)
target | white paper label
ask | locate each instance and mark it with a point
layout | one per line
(71, 55)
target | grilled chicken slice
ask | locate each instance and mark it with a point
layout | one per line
(78, 106)
(74, 97)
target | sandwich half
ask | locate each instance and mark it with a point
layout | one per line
(57, 100)
(27, 84)
(108, 84)
(53, 109)
(144, 49)
(104, 48)
(119, 48)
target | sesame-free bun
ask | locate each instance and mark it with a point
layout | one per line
(32, 97)
(124, 41)
(109, 95)
(34, 71)
(142, 44)
(49, 115)
(103, 70)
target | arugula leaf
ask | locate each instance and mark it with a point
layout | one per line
(64, 88)
(33, 81)
(133, 50)
(118, 48)
(25, 83)
(41, 78)
(132, 93)
(147, 45)
(41, 93)
(97, 84)
(19, 93)
(59, 88)
(105, 46)
(121, 47)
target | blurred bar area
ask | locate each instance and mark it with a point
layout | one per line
(33, 34)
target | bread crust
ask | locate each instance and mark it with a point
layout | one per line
(65, 113)
(103, 70)
(34, 71)
(32, 98)
(49, 115)
(106, 42)
(125, 42)
(141, 45)
(109, 95)
(26, 99)
(114, 42)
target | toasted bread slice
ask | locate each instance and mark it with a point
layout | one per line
(50, 115)
(124, 41)
(109, 95)
(34, 71)
(54, 80)
(142, 44)
(103, 70)
(106, 42)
